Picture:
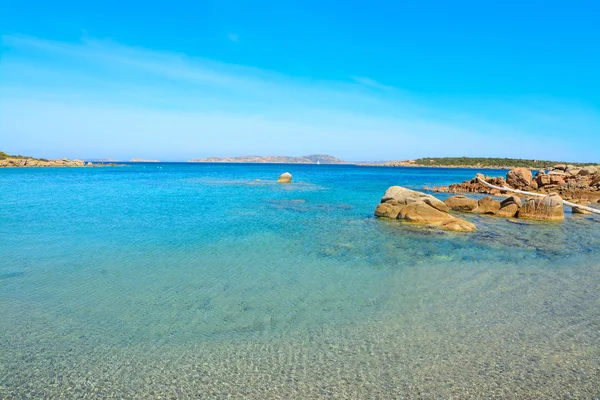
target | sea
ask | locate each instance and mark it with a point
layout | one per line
(212, 281)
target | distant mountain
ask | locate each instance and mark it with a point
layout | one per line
(142, 160)
(310, 159)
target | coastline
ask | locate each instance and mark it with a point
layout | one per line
(438, 166)
(64, 163)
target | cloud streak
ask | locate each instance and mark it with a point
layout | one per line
(104, 99)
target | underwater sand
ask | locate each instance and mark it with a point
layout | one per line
(198, 281)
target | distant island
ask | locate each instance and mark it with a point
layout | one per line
(310, 159)
(142, 160)
(475, 162)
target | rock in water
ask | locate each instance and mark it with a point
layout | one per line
(286, 177)
(519, 178)
(487, 205)
(508, 211)
(510, 207)
(461, 203)
(548, 208)
(577, 210)
(409, 205)
(512, 200)
(387, 210)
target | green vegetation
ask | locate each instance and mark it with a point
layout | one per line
(491, 162)
(4, 155)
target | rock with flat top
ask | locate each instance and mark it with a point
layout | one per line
(461, 203)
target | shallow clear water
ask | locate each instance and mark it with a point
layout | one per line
(213, 281)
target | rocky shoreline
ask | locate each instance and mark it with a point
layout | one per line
(542, 197)
(578, 184)
(412, 164)
(25, 162)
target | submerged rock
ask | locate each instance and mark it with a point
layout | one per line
(578, 210)
(409, 205)
(548, 208)
(286, 177)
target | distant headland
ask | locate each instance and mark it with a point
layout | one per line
(18, 161)
(474, 163)
(310, 159)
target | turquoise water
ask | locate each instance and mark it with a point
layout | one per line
(213, 281)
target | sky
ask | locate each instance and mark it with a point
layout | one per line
(363, 81)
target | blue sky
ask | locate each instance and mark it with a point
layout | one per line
(358, 80)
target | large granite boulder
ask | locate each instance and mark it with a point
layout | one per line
(570, 169)
(508, 211)
(409, 205)
(461, 203)
(487, 205)
(519, 178)
(542, 179)
(591, 170)
(387, 210)
(512, 200)
(509, 207)
(286, 177)
(548, 208)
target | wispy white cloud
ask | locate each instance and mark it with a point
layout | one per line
(370, 82)
(106, 99)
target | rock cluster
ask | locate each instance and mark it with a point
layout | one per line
(547, 208)
(409, 205)
(568, 181)
(473, 186)
(34, 162)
